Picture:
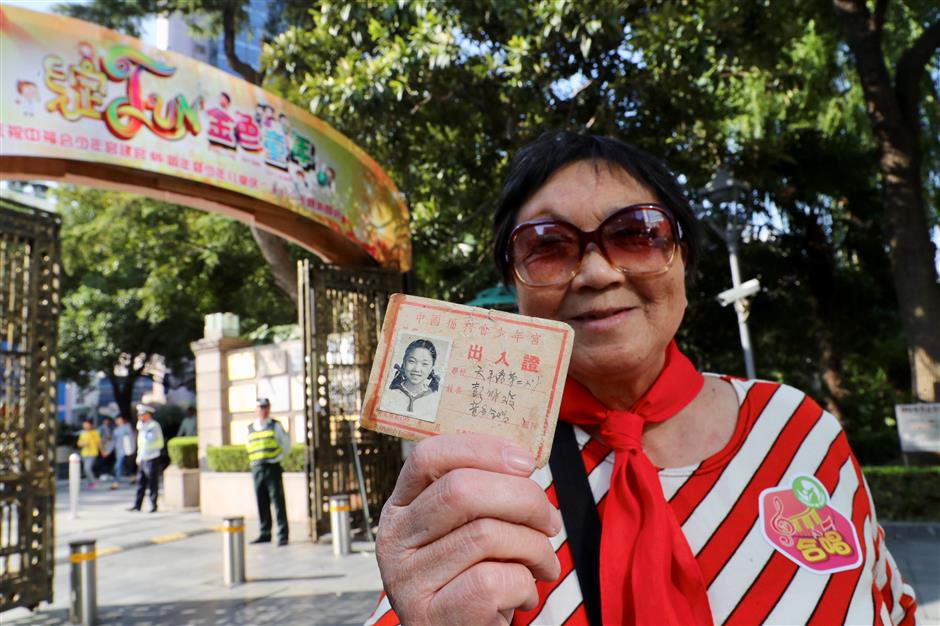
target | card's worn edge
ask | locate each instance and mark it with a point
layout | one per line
(371, 399)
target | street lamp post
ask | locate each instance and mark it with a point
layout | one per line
(722, 189)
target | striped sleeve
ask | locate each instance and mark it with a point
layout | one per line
(383, 615)
(894, 597)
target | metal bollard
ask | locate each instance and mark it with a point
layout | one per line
(83, 608)
(75, 483)
(233, 548)
(339, 524)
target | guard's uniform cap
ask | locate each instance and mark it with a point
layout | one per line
(263, 402)
(145, 408)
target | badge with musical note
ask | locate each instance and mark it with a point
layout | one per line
(799, 522)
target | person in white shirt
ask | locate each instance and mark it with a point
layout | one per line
(149, 452)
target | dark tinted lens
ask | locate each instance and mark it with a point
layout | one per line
(639, 240)
(545, 254)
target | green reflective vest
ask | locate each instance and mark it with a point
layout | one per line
(262, 444)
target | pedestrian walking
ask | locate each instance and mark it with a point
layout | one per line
(125, 445)
(188, 425)
(89, 442)
(149, 452)
(267, 445)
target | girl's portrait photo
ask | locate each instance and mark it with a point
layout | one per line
(416, 378)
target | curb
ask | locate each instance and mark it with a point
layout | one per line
(146, 543)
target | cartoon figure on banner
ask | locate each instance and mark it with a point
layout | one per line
(27, 96)
(302, 165)
(326, 177)
(414, 390)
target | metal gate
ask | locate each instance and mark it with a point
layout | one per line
(29, 308)
(340, 314)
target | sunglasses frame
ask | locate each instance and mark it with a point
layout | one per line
(593, 236)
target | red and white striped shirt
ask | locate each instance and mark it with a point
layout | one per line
(781, 433)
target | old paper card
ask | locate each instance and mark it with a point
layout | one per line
(449, 368)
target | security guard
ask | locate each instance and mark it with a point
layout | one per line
(149, 453)
(267, 445)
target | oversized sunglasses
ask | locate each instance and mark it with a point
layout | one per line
(640, 240)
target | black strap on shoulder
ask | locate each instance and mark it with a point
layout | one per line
(579, 513)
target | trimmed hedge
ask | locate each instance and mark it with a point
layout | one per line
(905, 493)
(184, 452)
(235, 458)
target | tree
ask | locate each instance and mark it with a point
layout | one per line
(893, 105)
(441, 93)
(139, 275)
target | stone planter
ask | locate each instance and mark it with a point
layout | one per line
(181, 488)
(233, 493)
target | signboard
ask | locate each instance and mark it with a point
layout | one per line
(75, 91)
(919, 427)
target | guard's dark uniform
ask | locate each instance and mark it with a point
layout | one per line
(264, 450)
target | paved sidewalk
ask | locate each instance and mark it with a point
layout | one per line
(166, 569)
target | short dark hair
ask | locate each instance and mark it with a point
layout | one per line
(536, 162)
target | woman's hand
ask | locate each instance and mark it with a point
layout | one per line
(466, 533)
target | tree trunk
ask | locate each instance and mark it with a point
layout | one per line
(893, 110)
(123, 387)
(283, 267)
(820, 268)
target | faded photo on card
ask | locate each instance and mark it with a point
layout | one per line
(414, 383)
(450, 368)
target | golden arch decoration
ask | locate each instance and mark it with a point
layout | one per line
(83, 104)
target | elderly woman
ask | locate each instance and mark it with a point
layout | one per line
(671, 497)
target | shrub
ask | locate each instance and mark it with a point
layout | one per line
(235, 458)
(905, 493)
(294, 461)
(184, 452)
(227, 458)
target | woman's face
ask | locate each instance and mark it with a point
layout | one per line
(417, 365)
(622, 323)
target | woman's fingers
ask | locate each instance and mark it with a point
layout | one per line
(463, 495)
(481, 540)
(487, 593)
(435, 456)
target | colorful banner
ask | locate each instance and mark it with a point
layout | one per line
(73, 90)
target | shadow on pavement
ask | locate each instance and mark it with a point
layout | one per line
(333, 609)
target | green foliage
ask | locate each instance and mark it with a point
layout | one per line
(227, 458)
(295, 460)
(139, 276)
(184, 452)
(235, 458)
(905, 493)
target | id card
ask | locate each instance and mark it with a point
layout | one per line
(451, 368)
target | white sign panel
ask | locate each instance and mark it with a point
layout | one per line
(919, 426)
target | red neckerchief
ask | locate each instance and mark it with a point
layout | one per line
(648, 572)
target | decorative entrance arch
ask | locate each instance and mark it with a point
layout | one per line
(84, 104)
